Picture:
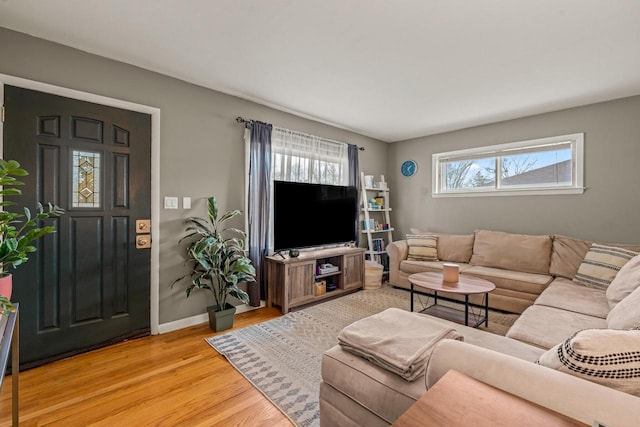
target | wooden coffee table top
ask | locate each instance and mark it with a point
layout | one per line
(459, 400)
(464, 285)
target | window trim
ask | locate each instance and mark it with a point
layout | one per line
(576, 187)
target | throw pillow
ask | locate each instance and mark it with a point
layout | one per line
(601, 264)
(509, 251)
(422, 247)
(567, 254)
(626, 281)
(453, 247)
(625, 314)
(604, 356)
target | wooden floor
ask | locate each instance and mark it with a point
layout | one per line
(173, 379)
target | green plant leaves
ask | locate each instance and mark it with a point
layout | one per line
(229, 215)
(6, 306)
(17, 231)
(217, 258)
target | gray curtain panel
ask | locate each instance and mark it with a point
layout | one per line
(354, 180)
(259, 206)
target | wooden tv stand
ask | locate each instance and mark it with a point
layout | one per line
(291, 281)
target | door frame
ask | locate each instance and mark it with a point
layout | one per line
(154, 280)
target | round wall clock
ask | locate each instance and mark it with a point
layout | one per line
(409, 168)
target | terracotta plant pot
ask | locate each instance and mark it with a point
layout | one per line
(6, 285)
(219, 320)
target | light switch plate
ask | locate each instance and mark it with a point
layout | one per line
(186, 202)
(171, 203)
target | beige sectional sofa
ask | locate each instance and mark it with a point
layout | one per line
(521, 266)
(354, 392)
(554, 308)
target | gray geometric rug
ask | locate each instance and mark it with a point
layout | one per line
(281, 357)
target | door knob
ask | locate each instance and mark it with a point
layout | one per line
(143, 241)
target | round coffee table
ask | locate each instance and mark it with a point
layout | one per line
(466, 285)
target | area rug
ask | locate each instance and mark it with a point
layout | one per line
(282, 357)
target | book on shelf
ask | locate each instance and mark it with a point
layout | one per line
(373, 225)
(378, 245)
(369, 224)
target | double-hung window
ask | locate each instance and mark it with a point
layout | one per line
(551, 165)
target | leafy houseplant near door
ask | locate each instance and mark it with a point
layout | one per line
(219, 263)
(17, 231)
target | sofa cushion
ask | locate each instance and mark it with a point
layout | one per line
(396, 340)
(494, 342)
(422, 247)
(383, 393)
(518, 252)
(567, 255)
(604, 356)
(509, 279)
(452, 247)
(565, 294)
(337, 409)
(601, 264)
(626, 314)
(546, 327)
(626, 281)
(455, 247)
(412, 267)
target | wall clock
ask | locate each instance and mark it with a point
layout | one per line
(409, 168)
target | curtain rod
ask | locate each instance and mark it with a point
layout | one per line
(240, 119)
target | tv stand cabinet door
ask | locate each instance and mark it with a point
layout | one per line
(299, 280)
(353, 270)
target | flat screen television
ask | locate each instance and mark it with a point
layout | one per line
(308, 215)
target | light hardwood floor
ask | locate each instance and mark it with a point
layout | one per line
(172, 379)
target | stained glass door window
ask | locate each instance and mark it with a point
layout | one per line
(86, 179)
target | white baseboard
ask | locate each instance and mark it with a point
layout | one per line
(163, 328)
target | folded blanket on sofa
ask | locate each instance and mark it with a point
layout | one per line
(396, 340)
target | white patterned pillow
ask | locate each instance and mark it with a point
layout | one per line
(625, 314)
(626, 281)
(422, 247)
(604, 356)
(601, 264)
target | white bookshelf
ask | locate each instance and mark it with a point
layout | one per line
(377, 238)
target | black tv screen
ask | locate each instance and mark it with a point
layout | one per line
(307, 215)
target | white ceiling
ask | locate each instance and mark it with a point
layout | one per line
(388, 69)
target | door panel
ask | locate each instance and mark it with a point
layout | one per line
(353, 270)
(49, 279)
(87, 272)
(87, 284)
(301, 279)
(120, 279)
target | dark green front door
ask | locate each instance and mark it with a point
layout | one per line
(87, 285)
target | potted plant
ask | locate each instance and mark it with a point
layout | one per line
(17, 231)
(218, 263)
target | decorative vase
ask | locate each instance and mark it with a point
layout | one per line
(220, 320)
(6, 285)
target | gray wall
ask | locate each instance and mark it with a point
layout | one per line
(202, 153)
(607, 211)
